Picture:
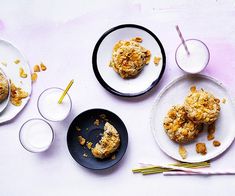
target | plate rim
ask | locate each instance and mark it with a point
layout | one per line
(31, 86)
(125, 149)
(157, 100)
(107, 86)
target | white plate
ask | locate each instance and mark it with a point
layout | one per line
(8, 54)
(173, 94)
(109, 79)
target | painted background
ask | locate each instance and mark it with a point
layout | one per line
(62, 34)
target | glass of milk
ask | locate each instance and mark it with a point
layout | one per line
(198, 58)
(49, 107)
(36, 135)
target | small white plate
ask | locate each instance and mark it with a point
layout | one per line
(173, 94)
(109, 79)
(8, 54)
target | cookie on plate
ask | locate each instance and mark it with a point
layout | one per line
(178, 127)
(4, 88)
(201, 106)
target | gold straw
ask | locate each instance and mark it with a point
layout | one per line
(65, 91)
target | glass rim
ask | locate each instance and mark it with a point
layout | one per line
(191, 39)
(34, 119)
(70, 101)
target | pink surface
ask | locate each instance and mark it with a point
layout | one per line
(63, 35)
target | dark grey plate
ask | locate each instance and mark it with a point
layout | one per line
(92, 133)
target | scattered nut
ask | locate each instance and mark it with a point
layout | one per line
(223, 100)
(34, 77)
(43, 67)
(78, 128)
(89, 145)
(201, 148)
(36, 68)
(17, 94)
(85, 155)
(4, 63)
(22, 73)
(156, 60)
(210, 137)
(17, 61)
(81, 140)
(182, 152)
(113, 157)
(216, 143)
(97, 122)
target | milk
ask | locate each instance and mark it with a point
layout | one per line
(36, 135)
(50, 108)
(198, 58)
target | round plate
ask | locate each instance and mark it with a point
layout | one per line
(109, 79)
(92, 133)
(9, 54)
(174, 94)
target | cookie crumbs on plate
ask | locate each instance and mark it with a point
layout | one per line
(17, 94)
(17, 61)
(78, 128)
(104, 117)
(156, 60)
(34, 77)
(81, 140)
(4, 63)
(97, 122)
(193, 88)
(113, 157)
(89, 145)
(223, 100)
(22, 73)
(85, 155)
(36, 68)
(137, 39)
(43, 67)
(182, 152)
(210, 137)
(216, 143)
(201, 148)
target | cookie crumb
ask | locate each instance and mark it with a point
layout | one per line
(201, 148)
(34, 77)
(89, 145)
(216, 143)
(36, 68)
(17, 61)
(182, 152)
(223, 100)
(78, 128)
(81, 140)
(156, 60)
(85, 155)
(97, 122)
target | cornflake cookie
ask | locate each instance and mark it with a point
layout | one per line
(201, 106)
(178, 127)
(129, 57)
(108, 144)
